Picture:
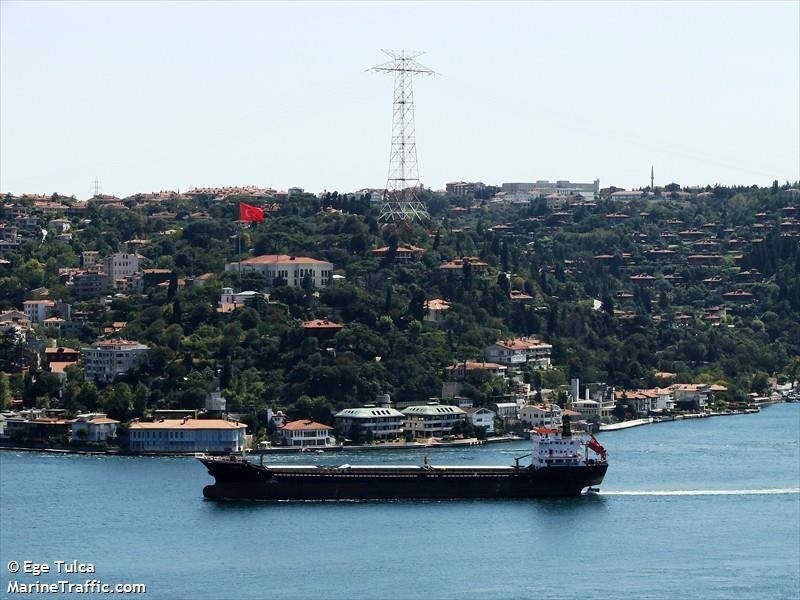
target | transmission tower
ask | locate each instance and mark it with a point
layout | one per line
(401, 202)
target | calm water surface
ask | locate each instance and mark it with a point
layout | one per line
(697, 509)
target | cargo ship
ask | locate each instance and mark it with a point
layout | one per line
(561, 464)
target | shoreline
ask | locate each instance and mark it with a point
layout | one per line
(266, 451)
(470, 442)
(682, 417)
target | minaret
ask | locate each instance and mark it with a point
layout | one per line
(652, 186)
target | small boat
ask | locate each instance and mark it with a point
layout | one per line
(561, 465)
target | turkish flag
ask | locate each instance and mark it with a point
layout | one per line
(250, 213)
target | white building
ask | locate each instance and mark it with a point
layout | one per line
(541, 415)
(120, 265)
(228, 296)
(188, 435)
(107, 359)
(230, 300)
(562, 187)
(60, 225)
(481, 417)
(94, 427)
(37, 310)
(693, 395)
(291, 269)
(306, 433)
(378, 422)
(588, 408)
(506, 410)
(520, 351)
(216, 401)
(432, 420)
(518, 197)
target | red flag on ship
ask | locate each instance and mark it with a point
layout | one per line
(250, 213)
(596, 446)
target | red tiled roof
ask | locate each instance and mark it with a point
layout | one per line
(282, 259)
(437, 304)
(520, 343)
(189, 424)
(471, 365)
(304, 425)
(321, 324)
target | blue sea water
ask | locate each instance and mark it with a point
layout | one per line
(695, 509)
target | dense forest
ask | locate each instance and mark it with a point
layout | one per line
(572, 268)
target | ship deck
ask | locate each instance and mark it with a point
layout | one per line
(370, 470)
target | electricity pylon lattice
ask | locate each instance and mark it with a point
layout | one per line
(401, 201)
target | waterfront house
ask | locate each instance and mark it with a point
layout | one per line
(187, 435)
(305, 432)
(432, 419)
(506, 410)
(36, 425)
(481, 417)
(93, 427)
(587, 408)
(541, 415)
(375, 422)
(690, 395)
(647, 401)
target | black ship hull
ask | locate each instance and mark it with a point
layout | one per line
(242, 480)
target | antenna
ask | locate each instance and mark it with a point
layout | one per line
(401, 202)
(95, 188)
(652, 186)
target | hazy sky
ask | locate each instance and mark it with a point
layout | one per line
(150, 96)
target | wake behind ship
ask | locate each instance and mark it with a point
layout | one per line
(560, 466)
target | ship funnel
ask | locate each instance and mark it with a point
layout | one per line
(566, 428)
